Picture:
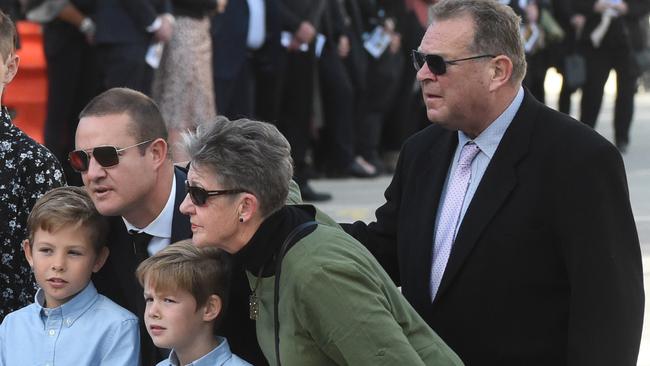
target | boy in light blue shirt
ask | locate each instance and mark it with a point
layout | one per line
(185, 289)
(69, 323)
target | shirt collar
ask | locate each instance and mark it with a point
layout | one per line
(217, 356)
(489, 139)
(71, 310)
(161, 227)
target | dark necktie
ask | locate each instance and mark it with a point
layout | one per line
(140, 244)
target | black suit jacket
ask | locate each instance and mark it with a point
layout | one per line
(116, 279)
(229, 35)
(546, 266)
(126, 21)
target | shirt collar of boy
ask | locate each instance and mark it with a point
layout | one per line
(71, 310)
(218, 356)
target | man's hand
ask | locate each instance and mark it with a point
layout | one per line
(620, 7)
(344, 47)
(532, 13)
(221, 6)
(164, 33)
(395, 43)
(305, 33)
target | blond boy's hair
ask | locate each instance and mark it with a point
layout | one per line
(200, 271)
(66, 206)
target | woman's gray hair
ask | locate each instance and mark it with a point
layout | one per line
(497, 29)
(244, 154)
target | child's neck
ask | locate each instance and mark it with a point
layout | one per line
(203, 344)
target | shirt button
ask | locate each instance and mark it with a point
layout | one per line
(68, 321)
(52, 332)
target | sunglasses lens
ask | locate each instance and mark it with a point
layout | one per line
(436, 64)
(418, 60)
(106, 156)
(197, 195)
(78, 160)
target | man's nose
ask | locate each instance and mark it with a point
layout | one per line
(95, 170)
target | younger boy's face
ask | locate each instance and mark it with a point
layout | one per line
(172, 318)
(63, 262)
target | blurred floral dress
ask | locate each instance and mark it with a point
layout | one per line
(27, 171)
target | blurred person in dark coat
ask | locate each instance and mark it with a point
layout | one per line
(610, 38)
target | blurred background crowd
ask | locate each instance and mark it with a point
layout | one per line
(335, 76)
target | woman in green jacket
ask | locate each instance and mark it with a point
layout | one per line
(337, 306)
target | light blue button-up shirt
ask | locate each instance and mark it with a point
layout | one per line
(89, 329)
(220, 356)
(487, 141)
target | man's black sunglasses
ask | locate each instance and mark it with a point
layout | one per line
(199, 195)
(106, 156)
(436, 63)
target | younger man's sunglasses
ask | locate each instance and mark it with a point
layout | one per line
(199, 195)
(106, 156)
(436, 63)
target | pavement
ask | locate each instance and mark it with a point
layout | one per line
(357, 199)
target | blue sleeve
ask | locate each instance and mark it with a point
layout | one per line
(124, 346)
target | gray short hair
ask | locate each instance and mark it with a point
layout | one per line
(245, 154)
(496, 32)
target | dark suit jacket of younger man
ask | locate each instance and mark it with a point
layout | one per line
(546, 266)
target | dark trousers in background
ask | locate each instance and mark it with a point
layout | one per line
(599, 63)
(123, 65)
(72, 82)
(295, 114)
(251, 94)
(338, 97)
(384, 76)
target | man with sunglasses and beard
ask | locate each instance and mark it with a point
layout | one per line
(508, 224)
(125, 164)
(27, 171)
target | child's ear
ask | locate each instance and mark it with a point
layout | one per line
(212, 308)
(101, 259)
(28, 252)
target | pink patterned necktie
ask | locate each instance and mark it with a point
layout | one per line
(450, 214)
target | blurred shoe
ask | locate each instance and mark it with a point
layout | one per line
(308, 194)
(622, 146)
(360, 168)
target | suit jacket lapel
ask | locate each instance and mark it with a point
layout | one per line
(181, 228)
(496, 185)
(429, 188)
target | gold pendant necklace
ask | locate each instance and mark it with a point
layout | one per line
(253, 300)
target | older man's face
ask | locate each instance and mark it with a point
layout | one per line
(455, 99)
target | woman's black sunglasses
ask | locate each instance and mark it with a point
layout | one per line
(106, 156)
(436, 63)
(199, 195)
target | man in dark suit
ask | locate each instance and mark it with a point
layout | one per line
(141, 189)
(125, 30)
(611, 46)
(507, 224)
(246, 47)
